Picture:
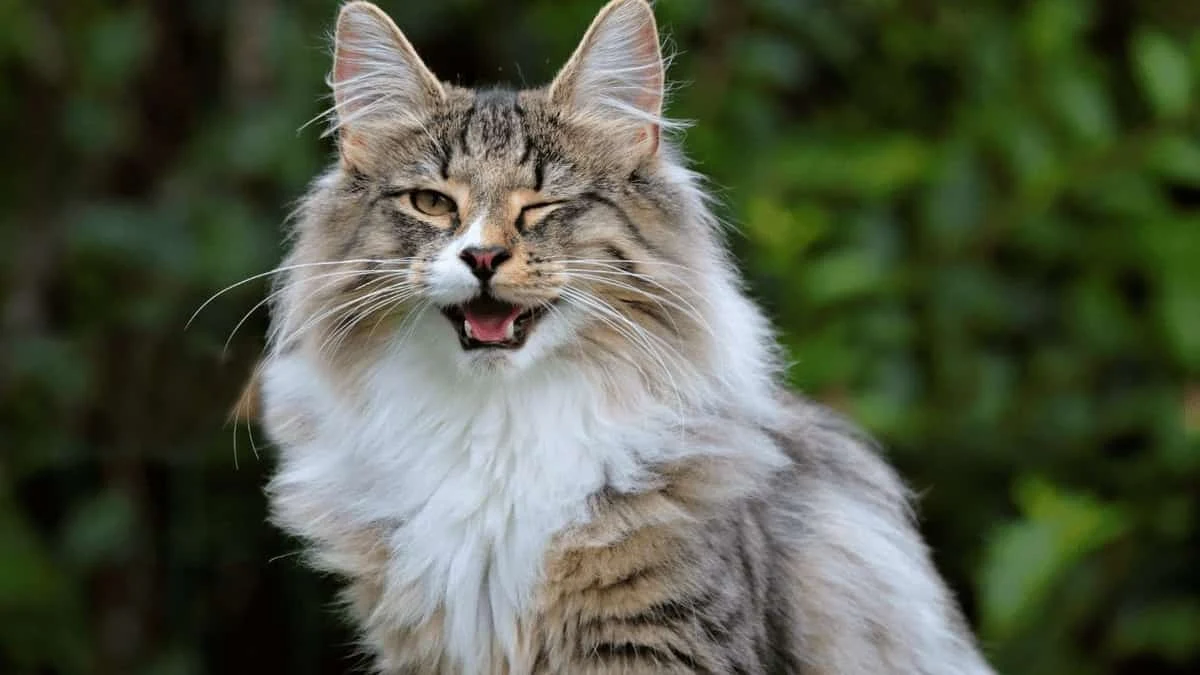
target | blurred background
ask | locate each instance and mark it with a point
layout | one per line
(976, 224)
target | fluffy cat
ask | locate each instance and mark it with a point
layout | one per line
(525, 410)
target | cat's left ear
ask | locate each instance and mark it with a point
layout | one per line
(377, 79)
(616, 72)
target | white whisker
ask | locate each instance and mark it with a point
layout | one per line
(687, 308)
(345, 309)
(396, 296)
(318, 315)
(334, 278)
(637, 335)
(286, 268)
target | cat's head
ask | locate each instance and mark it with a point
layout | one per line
(499, 228)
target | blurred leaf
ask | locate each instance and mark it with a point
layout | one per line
(95, 127)
(28, 577)
(770, 59)
(101, 530)
(1033, 154)
(783, 232)
(1170, 628)
(869, 168)
(1054, 25)
(117, 44)
(1082, 102)
(838, 277)
(175, 661)
(1174, 246)
(1163, 71)
(1177, 157)
(955, 199)
(1026, 559)
(55, 366)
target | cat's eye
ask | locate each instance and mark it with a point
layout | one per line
(432, 203)
(532, 213)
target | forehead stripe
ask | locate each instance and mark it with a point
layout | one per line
(463, 132)
(524, 125)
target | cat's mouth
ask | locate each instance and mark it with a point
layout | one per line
(487, 322)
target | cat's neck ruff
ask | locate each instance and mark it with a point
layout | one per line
(471, 477)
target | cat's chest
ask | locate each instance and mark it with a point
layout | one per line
(464, 514)
(461, 489)
(475, 519)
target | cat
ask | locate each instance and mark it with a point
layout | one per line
(525, 410)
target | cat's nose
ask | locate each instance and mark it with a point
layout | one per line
(483, 260)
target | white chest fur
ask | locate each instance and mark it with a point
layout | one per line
(469, 478)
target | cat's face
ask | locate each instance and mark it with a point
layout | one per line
(519, 223)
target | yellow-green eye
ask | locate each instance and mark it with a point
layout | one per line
(431, 203)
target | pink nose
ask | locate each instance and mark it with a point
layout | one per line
(483, 260)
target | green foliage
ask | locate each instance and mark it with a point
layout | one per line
(1026, 559)
(976, 224)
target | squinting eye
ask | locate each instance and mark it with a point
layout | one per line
(432, 203)
(531, 213)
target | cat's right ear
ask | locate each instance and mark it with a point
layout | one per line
(617, 72)
(377, 79)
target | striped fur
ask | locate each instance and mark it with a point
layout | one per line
(629, 491)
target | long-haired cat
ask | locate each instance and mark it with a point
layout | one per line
(525, 410)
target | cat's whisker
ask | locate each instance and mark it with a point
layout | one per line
(386, 311)
(655, 279)
(616, 270)
(333, 277)
(322, 315)
(399, 295)
(351, 312)
(250, 435)
(621, 330)
(636, 332)
(289, 268)
(652, 278)
(637, 335)
(379, 306)
(410, 320)
(622, 356)
(639, 329)
(688, 309)
(349, 318)
(650, 262)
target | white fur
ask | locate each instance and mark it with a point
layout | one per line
(472, 469)
(449, 281)
(473, 476)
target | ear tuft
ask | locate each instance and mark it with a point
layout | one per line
(617, 70)
(377, 76)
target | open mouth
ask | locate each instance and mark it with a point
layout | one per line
(489, 322)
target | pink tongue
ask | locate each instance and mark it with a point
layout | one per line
(490, 327)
